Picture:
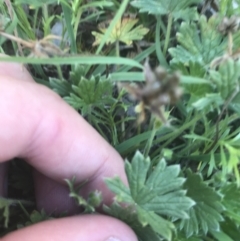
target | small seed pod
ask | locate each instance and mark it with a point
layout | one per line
(160, 89)
(229, 25)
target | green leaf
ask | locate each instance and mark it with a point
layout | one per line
(124, 31)
(123, 193)
(81, 59)
(76, 102)
(221, 236)
(35, 3)
(197, 47)
(137, 173)
(91, 203)
(36, 217)
(226, 78)
(158, 224)
(231, 228)
(4, 204)
(95, 91)
(181, 237)
(206, 214)
(152, 192)
(130, 217)
(63, 88)
(209, 103)
(179, 9)
(231, 201)
(85, 94)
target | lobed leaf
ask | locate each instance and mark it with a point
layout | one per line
(157, 223)
(206, 214)
(226, 78)
(179, 9)
(153, 192)
(124, 31)
(129, 216)
(231, 201)
(195, 47)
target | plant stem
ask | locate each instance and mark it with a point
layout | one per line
(230, 43)
(45, 11)
(122, 118)
(169, 27)
(16, 39)
(150, 140)
(173, 135)
(68, 19)
(59, 70)
(117, 49)
(159, 52)
(11, 14)
(116, 18)
(78, 19)
(233, 95)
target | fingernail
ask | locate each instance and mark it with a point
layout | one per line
(113, 239)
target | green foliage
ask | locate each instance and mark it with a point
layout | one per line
(178, 9)
(4, 206)
(35, 3)
(200, 48)
(91, 203)
(35, 217)
(206, 214)
(93, 98)
(95, 92)
(226, 78)
(130, 217)
(153, 192)
(231, 201)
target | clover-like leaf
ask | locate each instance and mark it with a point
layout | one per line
(152, 193)
(123, 31)
(178, 9)
(206, 214)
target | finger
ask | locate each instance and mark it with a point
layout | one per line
(52, 196)
(86, 227)
(53, 137)
(14, 70)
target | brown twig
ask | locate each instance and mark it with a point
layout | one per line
(10, 11)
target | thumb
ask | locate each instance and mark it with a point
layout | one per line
(85, 227)
(14, 70)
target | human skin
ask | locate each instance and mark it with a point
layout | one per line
(38, 126)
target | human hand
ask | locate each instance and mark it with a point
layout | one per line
(37, 125)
